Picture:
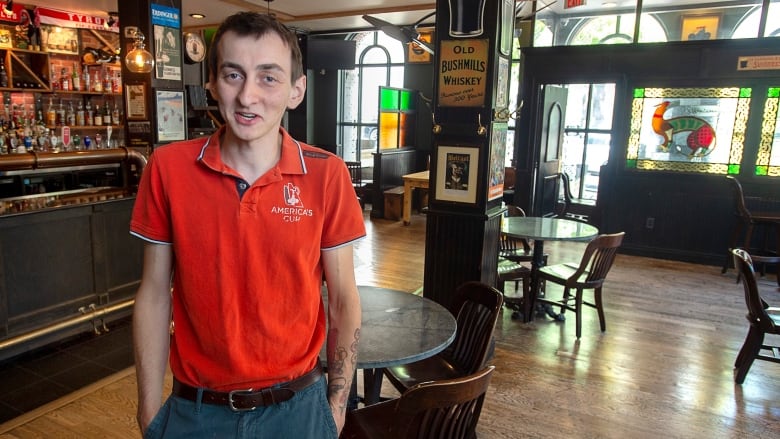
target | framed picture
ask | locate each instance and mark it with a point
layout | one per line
(135, 100)
(699, 27)
(170, 115)
(56, 39)
(456, 174)
(415, 53)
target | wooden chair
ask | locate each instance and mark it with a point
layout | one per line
(747, 221)
(578, 209)
(479, 306)
(589, 274)
(763, 320)
(356, 173)
(436, 409)
(512, 254)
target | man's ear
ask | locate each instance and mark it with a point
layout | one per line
(210, 90)
(297, 93)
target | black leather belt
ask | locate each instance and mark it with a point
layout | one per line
(249, 399)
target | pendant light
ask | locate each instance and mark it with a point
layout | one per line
(139, 60)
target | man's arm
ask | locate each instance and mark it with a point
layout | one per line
(344, 327)
(151, 322)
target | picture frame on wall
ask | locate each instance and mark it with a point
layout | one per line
(170, 115)
(457, 174)
(135, 101)
(699, 27)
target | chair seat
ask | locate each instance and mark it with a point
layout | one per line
(562, 271)
(373, 421)
(429, 369)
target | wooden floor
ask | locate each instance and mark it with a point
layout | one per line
(662, 369)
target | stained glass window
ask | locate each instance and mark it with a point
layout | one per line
(768, 162)
(688, 129)
(396, 117)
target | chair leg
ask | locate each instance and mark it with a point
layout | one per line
(565, 299)
(748, 353)
(600, 308)
(578, 312)
(732, 245)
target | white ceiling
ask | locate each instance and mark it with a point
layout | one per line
(325, 15)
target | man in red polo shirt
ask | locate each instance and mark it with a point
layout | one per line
(243, 225)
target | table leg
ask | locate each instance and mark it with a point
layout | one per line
(407, 211)
(529, 297)
(372, 385)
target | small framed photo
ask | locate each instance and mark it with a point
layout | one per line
(699, 27)
(170, 115)
(135, 101)
(456, 173)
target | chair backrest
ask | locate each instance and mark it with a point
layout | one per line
(478, 308)
(756, 306)
(739, 197)
(512, 210)
(597, 260)
(566, 188)
(356, 173)
(447, 409)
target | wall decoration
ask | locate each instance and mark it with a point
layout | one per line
(417, 55)
(135, 101)
(466, 18)
(170, 115)
(463, 73)
(507, 26)
(768, 160)
(497, 154)
(456, 174)
(699, 27)
(166, 24)
(397, 117)
(688, 129)
(60, 39)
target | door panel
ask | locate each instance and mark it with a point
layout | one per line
(549, 144)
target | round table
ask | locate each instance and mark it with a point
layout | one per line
(540, 230)
(397, 328)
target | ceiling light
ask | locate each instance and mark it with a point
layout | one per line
(197, 16)
(9, 7)
(139, 60)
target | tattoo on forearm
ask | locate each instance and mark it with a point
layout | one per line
(339, 379)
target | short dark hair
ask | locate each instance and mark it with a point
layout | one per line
(256, 24)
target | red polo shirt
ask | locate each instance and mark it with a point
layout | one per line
(247, 306)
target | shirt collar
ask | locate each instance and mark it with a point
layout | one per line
(290, 162)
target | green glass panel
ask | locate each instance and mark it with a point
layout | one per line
(745, 92)
(762, 170)
(774, 92)
(388, 99)
(733, 170)
(639, 92)
(406, 100)
(631, 164)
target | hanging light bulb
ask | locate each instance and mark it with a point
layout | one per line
(139, 60)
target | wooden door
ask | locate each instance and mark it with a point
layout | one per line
(549, 144)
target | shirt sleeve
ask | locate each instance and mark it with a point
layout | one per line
(343, 214)
(151, 214)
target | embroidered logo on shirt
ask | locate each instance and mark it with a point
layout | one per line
(292, 195)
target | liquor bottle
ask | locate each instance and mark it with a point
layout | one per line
(107, 87)
(115, 120)
(97, 85)
(75, 79)
(64, 80)
(80, 121)
(106, 114)
(70, 115)
(88, 115)
(55, 83)
(117, 83)
(86, 80)
(61, 114)
(98, 116)
(51, 114)
(3, 75)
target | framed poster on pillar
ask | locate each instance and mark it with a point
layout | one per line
(457, 170)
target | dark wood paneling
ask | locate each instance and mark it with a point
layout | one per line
(389, 167)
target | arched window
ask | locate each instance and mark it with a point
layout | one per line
(617, 29)
(747, 27)
(379, 61)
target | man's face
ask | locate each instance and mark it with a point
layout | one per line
(252, 85)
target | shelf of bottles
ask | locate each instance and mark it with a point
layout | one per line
(80, 108)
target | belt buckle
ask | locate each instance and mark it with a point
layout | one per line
(231, 401)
